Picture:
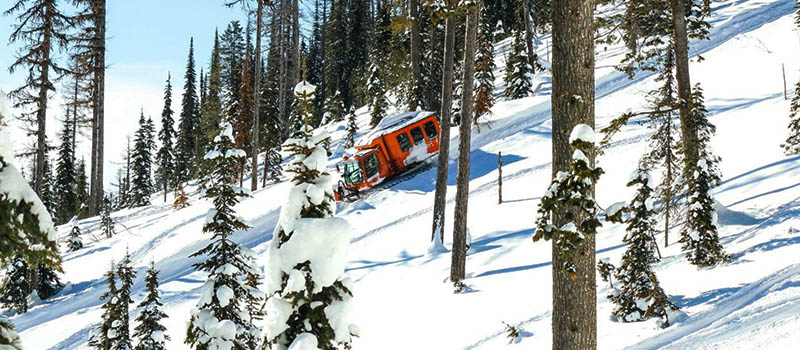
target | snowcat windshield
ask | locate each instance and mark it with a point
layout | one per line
(353, 174)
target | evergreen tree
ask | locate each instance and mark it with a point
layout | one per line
(314, 65)
(82, 187)
(376, 83)
(106, 222)
(232, 52)
(518, 70)
(46, 193)
(49, 283)
(307, 298)
(337, 79)
(640, 296)
(121, 327)
(243, 122)
(65, 189)
(484, 65)
(9, 339)
(187, 127)
(16, 286)
(352, 129)
(376, 92)
(792, 144)
(150, 331)
(270, 124)
(165, 158)
(431, 67)
(141, 159)
(571, 188)
(699, 237)
(211, 114)
(224, 305)
(334, 108)
(75, 242)
(103, 337)
(359, 30)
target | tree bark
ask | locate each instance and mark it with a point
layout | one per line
(574, 300)
(257, 98)
(415, 60)
(98, 122)
(526, 20)
(459, 255)
(688, 127)
(41, 113)
(499, 177)
(440, 195)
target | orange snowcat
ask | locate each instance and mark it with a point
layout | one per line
(397, 145)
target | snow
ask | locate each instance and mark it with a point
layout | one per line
(391, 124)
(752, 303)
(582, 132)
(304, 341)
(615, 208)
(304, 88)
(579, 156)
(224, 295)
(277, 313)
(417, 153)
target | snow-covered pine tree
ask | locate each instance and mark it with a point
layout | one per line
(48, 284)
(484, 65)
(24, 221)
(334, 108)
(518, 69)
(75, 243)
(571, 190)
(47, 195)
(103, 335)
(82, 187)
(65, 191)
(221, 319)
(149, 331)
(165, 157)
(308, 301)
(352, 129)
(699, 237)
(9, 339)
(792, 144)
(185, 167)
(106, 222)
(121, 325)
(16, 286)
(640, 296)
(141, 163)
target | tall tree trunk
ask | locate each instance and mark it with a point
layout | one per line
(459, 255)
(257, 99)
(574, 300)
(282, 49)
(526, 20)
(41, 113)
(295, 43)
(440, 196)
(98, 122)
(688, 127)
(415, 60)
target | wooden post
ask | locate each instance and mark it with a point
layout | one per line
(783, 69)
(499, 177)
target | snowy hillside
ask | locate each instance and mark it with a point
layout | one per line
(401, 296)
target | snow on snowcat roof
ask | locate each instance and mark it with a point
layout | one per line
(391, 124)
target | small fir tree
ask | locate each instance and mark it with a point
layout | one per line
(47, 195)
(121, 327)
(376, 93)
(334, 108)
(82, 187)
(75, 242)
(165, 157)
(65, 191)
(640, 295)
(49, 283)
(106, 222)
(700, 237)
(16, 286)
(571, 189)
(141, 164)
(518, 70)
(149, 331)
(792, 144)
(104, 334)
(222, 317)
(308, 300)
(181, 199)
(9, 339)
(352, 129)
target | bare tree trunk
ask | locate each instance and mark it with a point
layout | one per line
(526, 20)
(668, 179)
(41, 113)
(688, 127)
(499, 177)
(574, 300)
(415, 69)
(257, 98)
(440, 196)
(295, 43)
(98, 122)
(283, 41)
(459, 255)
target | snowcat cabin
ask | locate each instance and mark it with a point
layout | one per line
(391, 148)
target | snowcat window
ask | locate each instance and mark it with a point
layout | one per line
(430, 129)
(416, 135)
(371, 165)
(352, 173)
(405, 143)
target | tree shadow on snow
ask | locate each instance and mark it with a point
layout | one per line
(481, 163)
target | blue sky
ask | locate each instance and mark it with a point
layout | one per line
(146, 39)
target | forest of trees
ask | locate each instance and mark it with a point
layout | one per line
(266, 83)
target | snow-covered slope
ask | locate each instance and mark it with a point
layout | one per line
(402, 300)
